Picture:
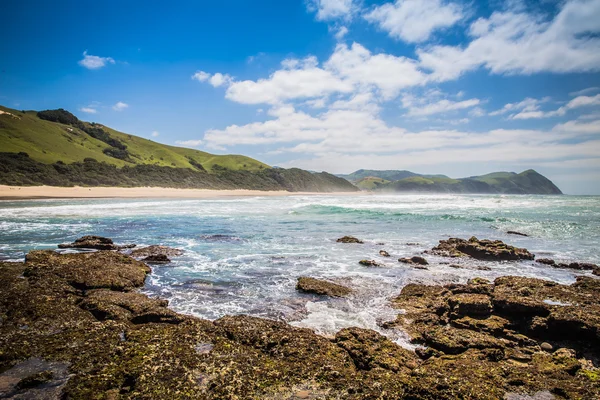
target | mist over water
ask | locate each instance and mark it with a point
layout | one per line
(243, 255)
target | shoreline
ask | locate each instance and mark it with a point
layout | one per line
(79, 192)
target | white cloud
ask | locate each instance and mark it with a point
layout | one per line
(219, 79)
(155, 134)
(424, 108)
(516, 42)
(527, 105)
(94, 62)
(585, 91)
(332, 9)
(120, 106)
(88, 110)
(201, 76)
(580, 101)
(189, 143)
(414, 21)
(341, 33)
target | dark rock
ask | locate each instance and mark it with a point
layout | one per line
(369, 263)
(414, 260)
(156, 250)
(321, 287)
(384, 253)
(90, 242)
(481, 249)
(579, 266)
(467, 304)
(516, 233)
(349, 239)
(368, 349)
(157, 259)
(546, 261)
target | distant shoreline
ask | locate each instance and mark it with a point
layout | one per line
(78, 192)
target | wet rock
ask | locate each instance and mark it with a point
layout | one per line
(516, 233)
(416, 261)
(157, 259)
(34, 378)
(134, 307)
(321, 287)
(495, 250)
(384, 253)
(349, 239)
(102, 269)
(156, 250)
(368, 349)
(91, 242)
(369, 263)
(546, 261)
(578, 266)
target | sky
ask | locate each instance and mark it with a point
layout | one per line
(460, 88)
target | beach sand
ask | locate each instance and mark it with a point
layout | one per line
(77, 192)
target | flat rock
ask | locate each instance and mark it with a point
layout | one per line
(156, 259)
(156, 250)
(384, 253)
(321, 287)
(491, 250)
(516, 233)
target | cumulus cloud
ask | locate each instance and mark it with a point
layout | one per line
(88, 110)
(414, 21)
(94, 62)
(155, 134)
(120, 106)
(422, 108)
(517, 42)
(332, 9)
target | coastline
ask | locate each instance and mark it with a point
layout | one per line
(79, 192)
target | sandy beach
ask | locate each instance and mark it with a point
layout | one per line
(53, 192)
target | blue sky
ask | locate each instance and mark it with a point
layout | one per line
(433, 86)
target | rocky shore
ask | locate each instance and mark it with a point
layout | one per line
(73, 326)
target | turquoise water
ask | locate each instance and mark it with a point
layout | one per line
(243, 255)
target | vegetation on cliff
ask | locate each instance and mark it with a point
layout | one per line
(527, 182)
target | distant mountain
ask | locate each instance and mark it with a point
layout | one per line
(54, 147)
(527, 182)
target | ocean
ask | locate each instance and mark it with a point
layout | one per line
(243, 255)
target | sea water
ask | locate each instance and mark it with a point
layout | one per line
(243, 255)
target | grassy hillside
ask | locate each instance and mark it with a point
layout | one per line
(370, 183)
(527, 182)
(49, 142)
(53, 147)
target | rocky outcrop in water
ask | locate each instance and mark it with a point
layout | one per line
(516, 233)
(321, 287)
(349, 239)
(156, 259)
(156, 250)
(578, 266)
(369, 263)
(414, 260)
(490, 250)
(384, 253)
(75, 325)
(94, 242)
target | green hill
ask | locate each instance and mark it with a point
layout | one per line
(527, 182)
(54, 147)
(370, 183)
